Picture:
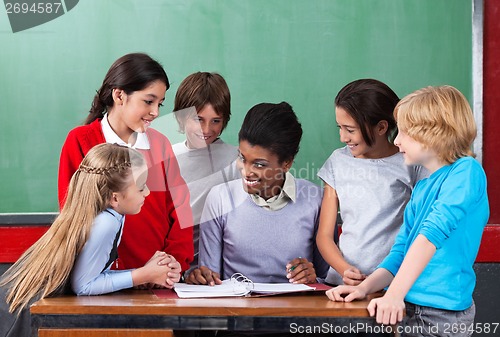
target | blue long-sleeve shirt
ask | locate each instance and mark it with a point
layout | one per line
(90, 276)
(450, 208)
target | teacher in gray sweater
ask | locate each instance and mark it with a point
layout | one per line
(263, 225)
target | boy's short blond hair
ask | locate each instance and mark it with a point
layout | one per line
(441, 119)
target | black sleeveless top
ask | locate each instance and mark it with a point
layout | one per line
(113, 254)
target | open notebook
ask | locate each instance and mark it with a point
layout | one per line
(238, 285)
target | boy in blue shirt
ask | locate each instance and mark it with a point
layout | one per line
(429, 268)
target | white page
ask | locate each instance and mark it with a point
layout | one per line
(227, 288)
(232, 287)
(263, 288)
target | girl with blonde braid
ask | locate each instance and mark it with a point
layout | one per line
(76, 253)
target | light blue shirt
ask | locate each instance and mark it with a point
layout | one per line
(88, 276)
(450, 208)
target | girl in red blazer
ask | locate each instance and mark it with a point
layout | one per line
(122, 111)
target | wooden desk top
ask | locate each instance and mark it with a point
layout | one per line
(140, 302)
(142, 309)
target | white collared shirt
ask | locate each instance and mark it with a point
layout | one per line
(141, 142)
(279, 201)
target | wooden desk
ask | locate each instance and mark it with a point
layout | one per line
(142, 313)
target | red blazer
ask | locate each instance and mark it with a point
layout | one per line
(165, 222)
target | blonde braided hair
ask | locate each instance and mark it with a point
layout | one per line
(105, 170)
(43, 270)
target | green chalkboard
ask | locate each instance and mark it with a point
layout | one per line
(300, 51)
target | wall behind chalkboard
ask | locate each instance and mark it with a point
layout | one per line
(299, 51)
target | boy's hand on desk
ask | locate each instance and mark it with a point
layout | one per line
(353, 276)
(203, 275)
(300, 270)
(345, 293)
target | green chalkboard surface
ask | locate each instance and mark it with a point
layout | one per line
(300, 51)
